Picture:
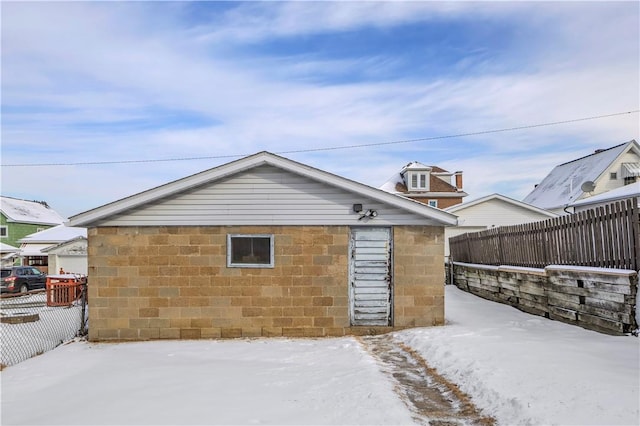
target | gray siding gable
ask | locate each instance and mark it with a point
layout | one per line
(260, 189)
(264, 195)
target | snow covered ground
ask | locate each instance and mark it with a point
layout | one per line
(519, 368)
(525, 369)
(55, 325)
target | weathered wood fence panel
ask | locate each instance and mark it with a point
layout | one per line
(605, 237)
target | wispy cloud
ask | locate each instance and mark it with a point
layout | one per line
(123, 81)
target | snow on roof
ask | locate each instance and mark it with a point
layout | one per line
(24, 211)
(32, 251)
(7, 248)
(390, 185)
(57, 234)
(415, 165)
(62, 244)
(563, 185)
(503, 198)
(627, 191)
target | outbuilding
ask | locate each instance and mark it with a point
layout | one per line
(263, 246)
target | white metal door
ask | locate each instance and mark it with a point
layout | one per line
(370, 276)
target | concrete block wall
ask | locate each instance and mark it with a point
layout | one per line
(173, 283)
(418, 276)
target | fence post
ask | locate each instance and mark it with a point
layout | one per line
(500, 249)
(635, 225)
(544, 237)
(83, 329)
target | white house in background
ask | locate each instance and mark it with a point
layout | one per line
(491, 211)
(69, 256)
(602, 171)
(627, 191)
(66, 246)
(7, 253)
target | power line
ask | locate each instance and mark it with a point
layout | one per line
(334, 148)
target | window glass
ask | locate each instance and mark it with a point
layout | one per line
(423, 181)
(250, 251)
(414, 180)
(3, 231)
(433, 203)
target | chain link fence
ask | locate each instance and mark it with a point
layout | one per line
(39, 321)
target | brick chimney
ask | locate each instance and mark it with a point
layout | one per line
(459, 180)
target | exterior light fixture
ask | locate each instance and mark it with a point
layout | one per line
(369, 214)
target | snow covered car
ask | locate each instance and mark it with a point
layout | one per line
(21, 279)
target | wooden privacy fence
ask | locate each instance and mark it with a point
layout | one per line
(606, 237)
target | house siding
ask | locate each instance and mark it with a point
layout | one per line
(172, 282)
(443, 203)
(605, 183)
(496, 213)
(263, 195)
(17, 231)
(488, 214)
(71, 257)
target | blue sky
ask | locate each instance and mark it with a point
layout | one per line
(120, 81)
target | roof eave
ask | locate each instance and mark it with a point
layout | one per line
(503, 198)
(63, 243)
(31, 222)
(375, 193)
(90, 217)
(115, 207)
(460, 194)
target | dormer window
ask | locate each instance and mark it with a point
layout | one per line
(418, 181)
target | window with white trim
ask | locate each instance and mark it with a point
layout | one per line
(433, 203)
(418, 181)
(4, 231)
(250, 251)
(613, 175)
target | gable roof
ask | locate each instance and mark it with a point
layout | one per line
(435, 185)
(262, 158)
(503, 198)
(56, 234)
(627, 191)
(563, 185)
(415, 165)
(32, 212)
(8, 248)
(63, 244)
